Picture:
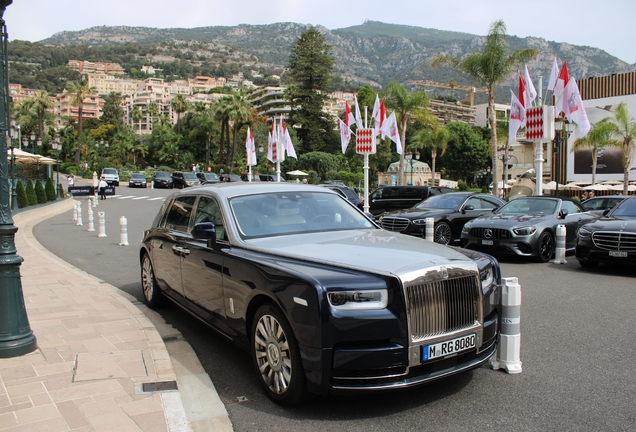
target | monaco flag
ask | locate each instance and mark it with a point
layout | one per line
(390, 129)
(531, 92)
(559, 87)
(358, 117)
(522, 92)
(349, 118)
(517, 117)
(573, 108)
(286, 139)
(379, 115)
(250, 148)
(271, 143)
(554, 75)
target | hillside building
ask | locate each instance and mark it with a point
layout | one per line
(91, 108)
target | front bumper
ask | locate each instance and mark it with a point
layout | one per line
(524, 246)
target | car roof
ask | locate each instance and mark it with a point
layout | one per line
(231, 189)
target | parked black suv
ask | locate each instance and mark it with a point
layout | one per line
(389, 198)
(162, 179)
(183, 179)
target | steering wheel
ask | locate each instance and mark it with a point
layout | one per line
(320, 216)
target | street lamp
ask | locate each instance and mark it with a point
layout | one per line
(15, 135)
(16, 337)
(57, 147)
(33, 141)
(409, 158)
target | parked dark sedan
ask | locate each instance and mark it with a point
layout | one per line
(527, 226)
(183, 179)
(208, 177)
(137, 180)
(346, 192)
(450, 212)
(323, 299)
(611, 239)
(162, 179)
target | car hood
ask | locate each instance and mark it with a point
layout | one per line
(375, 251)
(613, 224)
(509, 219)
(416, 213)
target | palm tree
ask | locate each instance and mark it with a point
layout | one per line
(599, 136)
(179, 105)
(405, 106)
(240, 114)
(434, 139)
(80, 90)
(136, 115)
(623, 129)
(489, 67)
(153, 111)
(221, 112)
(41, 103)
(203, 124)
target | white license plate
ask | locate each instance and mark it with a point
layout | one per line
(618, 254)
(487, 242)
(449, 347)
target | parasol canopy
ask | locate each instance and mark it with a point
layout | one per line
(297, 173)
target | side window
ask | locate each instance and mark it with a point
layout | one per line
(475, 202)
(487, 204)
(208, 211)
(570, 207)
(179, 214)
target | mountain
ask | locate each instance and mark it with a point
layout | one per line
(371, 53)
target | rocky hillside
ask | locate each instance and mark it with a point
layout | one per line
(372, 53)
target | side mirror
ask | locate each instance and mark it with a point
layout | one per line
(205, 231)
(563, 213)
(606, 212)
(468, 207)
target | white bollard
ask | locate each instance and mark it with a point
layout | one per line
(152, 184)
(559, 253)
(123, 233)
(430, 229)
(94, 197)
(79, 214)
(91, 223)
(102, 224)
(75, 211)
(509, 348)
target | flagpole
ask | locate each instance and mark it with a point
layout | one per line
(365, 169)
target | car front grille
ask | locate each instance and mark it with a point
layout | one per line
(616, 241)
(394, 223)
(494, 233)
(442, 306)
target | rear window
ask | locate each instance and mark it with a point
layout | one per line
(109, 171)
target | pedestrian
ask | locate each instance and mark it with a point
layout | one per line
(591, 195)
(304, 180)
(584, 196)
(71, 181)
(102, 188)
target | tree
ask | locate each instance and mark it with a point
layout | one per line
(489, 67)
(136, 115)
(41, 103)
(80, 90)
(405, 106)
(112, 112)
(623, 129)
(435, 140)
(466, 152)
(179, 105)
(153, 111)
(203, 124)
(241, 112)
(599, 136)
(310, 67)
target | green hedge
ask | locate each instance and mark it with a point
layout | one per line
(21, 195)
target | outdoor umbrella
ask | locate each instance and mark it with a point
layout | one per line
(297, 173)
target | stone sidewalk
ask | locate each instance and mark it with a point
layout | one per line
(101, 363)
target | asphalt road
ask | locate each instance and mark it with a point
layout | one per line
(577, 347)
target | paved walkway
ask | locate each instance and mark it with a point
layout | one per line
(104, 361)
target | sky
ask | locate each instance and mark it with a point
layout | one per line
(608, 24)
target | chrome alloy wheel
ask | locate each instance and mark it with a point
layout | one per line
(273, 354)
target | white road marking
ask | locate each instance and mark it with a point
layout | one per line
(142, 197)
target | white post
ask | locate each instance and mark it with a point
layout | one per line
(538, 169)
(366, 182)
(123, 232)
(75, 211)
(102, 224)
(91, 224)
(94, 198)
(559, 254)
(430, 229)
(79, 214)
(509, 348)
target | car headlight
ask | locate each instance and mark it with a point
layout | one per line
(419, 222)
(584, 232)
(467, 227)
(487, 277)
(358, 300)
(529, 230)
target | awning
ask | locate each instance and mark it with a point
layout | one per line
(297, 173)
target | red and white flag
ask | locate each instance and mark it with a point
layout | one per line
(286, 140)
(250, 149)
(554, 75)
(522, 91)
(358, 117)
(379, 115)
(561, 82)
(345, 135)
(573, 108)
(517, 117)
(390, 129)
(349, 118)
(271, 143)
(531, 92)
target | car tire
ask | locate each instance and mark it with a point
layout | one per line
(443, 233)
(171, 186)
(588, 264)
(276, 357)
(546, 247)
(152, 295)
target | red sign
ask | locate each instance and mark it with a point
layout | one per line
(540, 123)
(365, 141)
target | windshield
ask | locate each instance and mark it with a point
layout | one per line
(625, 209)
(444, 201)
(212, 177)
(190, 176)
(272, 214)
(138, 176)
(162, 175)
(529, 206)
(109, 171)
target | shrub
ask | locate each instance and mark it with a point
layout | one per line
(40, 195)
(21, 195)
(32, 199)
(51, 195)
(461, 185)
